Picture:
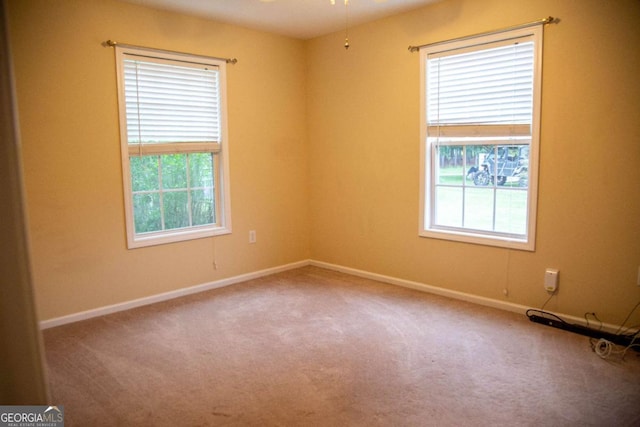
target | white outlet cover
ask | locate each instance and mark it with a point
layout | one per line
(551, 279)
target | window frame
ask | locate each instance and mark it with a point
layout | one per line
(428, 160)
(219, 151)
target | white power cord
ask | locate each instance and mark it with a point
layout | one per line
(604, 348)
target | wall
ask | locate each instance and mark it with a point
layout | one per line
(66, 87)
(324, 154)
(21, 362)
(363, 112)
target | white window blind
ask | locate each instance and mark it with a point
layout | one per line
(169, 103)
(491, 86)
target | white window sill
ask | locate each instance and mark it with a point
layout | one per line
(153, 239)
(479, 239)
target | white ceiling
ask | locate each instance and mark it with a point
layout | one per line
(302, 19)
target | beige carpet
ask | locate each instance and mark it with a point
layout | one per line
(311, 347)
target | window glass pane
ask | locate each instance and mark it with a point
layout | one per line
(448, 203)
(511, 211)
(176, 213)
(477, 173)
(203, 207)
(174, 171)
(144, 173)
(194, 206)
(478, 208)
(450, 164)
(201, 169)
(146, 207)
(521, 172)
(507, 163)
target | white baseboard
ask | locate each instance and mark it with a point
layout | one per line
(502, 305)
(488, 302)
(101, 311)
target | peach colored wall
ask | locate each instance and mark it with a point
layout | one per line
(23, 378)
(66, 86)
(363, 112)
(324, 154)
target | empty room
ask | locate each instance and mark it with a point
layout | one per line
(288, 212)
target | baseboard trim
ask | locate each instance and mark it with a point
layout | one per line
(101, 311)
(422, 287)
(488, 302)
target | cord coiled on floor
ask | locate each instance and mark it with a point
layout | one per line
(603, 348)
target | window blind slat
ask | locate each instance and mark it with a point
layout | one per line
(465, 134)
(185, 147)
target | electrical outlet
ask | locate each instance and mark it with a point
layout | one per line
(252, 236)
(551, 280)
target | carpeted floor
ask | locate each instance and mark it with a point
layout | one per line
(311, 347)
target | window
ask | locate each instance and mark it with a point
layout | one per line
(480, 133)
(174, 146)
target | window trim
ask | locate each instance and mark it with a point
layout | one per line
(219, 149)
(427, 171)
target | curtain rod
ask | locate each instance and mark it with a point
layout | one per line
(549, 20)
(111, 43)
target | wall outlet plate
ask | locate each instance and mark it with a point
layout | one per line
(551, 280)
